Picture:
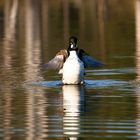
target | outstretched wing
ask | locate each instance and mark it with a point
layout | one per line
(57, 62)
(88, 61)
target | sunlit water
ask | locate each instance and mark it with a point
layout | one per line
(35, 105)
(103, 108)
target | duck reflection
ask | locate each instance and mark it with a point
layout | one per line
(73, 104)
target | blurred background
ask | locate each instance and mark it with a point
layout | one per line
(105, 28)
(32, 32)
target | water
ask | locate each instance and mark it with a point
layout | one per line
(35, 105)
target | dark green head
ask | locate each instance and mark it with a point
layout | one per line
(73, 44)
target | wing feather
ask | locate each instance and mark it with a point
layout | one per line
(88, 61)
(57, 62)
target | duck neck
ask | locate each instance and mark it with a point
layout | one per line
(73, 53)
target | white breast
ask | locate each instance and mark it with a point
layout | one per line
(73, 70)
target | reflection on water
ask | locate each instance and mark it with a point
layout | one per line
(36, 109)
(137, 12)
(73, 103)
(138, 38)
(34, 105)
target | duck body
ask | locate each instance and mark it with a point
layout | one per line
(71, 63)
(73, 70)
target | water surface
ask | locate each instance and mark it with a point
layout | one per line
(35, 105)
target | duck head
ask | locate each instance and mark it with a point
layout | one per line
(73, 44)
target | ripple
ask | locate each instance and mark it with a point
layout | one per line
(48, 84)
(88, 83)
(112, 71)
(84, 127)
(105, 83)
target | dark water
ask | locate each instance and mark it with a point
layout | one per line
(34, 105)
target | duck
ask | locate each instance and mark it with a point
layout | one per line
(71, 63)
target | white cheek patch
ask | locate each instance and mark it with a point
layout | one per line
(72, 46)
